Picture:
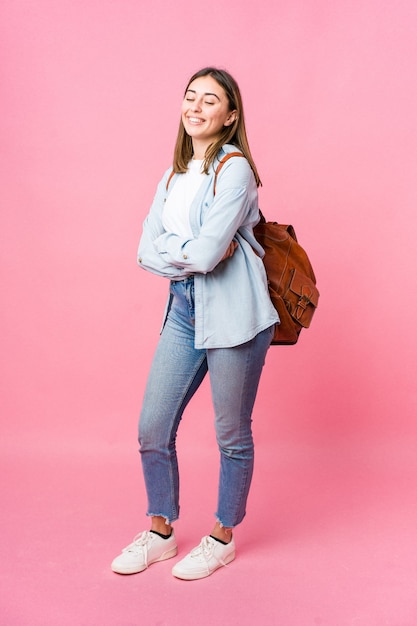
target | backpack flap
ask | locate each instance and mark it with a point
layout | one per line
(301, 298)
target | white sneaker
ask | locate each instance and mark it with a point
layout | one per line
(205, 559)
(146, 548)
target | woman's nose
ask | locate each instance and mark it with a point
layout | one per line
(196, 106)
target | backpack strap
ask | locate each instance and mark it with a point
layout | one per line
(169, 180)
(221, 163)
(262, 219)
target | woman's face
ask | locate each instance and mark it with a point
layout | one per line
(205, 111)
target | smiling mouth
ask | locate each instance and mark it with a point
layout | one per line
(195, 120)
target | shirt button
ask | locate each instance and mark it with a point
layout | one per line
(185, 256)
(140, 259)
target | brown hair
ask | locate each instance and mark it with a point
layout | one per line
(234, 134)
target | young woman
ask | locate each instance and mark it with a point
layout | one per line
(219, 319)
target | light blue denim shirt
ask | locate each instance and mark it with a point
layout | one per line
(232, 302)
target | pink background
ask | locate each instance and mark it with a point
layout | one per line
(90, 96)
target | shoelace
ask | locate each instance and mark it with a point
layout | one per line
(205, 550)
(140, 543)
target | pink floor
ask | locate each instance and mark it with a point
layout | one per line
(329, 540)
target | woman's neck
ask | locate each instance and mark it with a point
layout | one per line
(199, 150)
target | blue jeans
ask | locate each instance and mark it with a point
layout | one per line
(176, 373)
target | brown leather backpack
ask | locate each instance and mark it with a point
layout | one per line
(291, 279)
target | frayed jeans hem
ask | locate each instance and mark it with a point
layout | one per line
(223, 525)
(168, 520)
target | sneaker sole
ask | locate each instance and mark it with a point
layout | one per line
(203, 574)
(169, 554)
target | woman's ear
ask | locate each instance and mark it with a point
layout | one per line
(231, 118)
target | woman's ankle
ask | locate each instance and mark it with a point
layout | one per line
(160, 525)
(221, 533)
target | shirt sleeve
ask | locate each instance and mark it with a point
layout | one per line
(236, 194)
(148, 256)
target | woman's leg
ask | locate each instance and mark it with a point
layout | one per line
(176, 373)
(234, 378)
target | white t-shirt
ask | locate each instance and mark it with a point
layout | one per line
(176, 212)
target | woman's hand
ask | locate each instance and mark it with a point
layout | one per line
(230, 250)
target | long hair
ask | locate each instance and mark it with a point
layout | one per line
(234, 134)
